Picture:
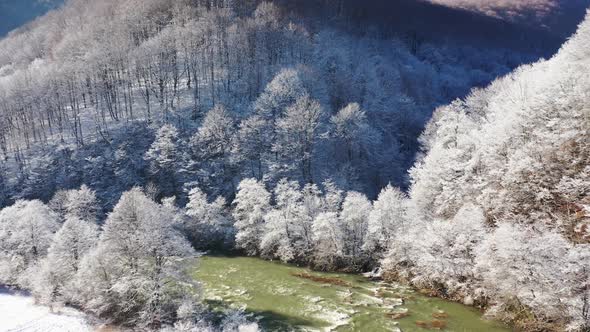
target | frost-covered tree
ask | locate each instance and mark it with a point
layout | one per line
(298, 133)
(214, 137)
(27, 229)
(54, 279)
(333, 196)
(132, 276)
(436, 188)
(287, 227)
(251, 204)
(282, 92)
(448, 252)
(211, 147)
(386, 221)
(82, 204)
(354, 219)
(263, 127)
(328, 240)
(163, 157)
(253, 144)
(530, 267)
(208, 223)
(353, 139)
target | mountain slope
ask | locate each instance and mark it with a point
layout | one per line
(502, 196)
(174, 63)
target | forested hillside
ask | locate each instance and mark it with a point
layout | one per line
(86, 88)
(135, 133)
(502, 196)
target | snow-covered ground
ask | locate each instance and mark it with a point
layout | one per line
(18, 313)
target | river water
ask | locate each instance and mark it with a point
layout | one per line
(289, 298)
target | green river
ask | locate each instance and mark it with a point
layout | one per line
(289, 298)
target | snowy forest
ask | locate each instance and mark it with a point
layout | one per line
(137, 134)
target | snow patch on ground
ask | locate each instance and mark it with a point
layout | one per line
(18, 313)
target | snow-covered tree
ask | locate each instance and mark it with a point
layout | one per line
(53, 283)
(82, 204)
(27, 229)
(214, 137)
(251, 204)
(448, 252)
(253, 144)
(282, 92)
(163, 157)
(386, 221)
(353, 139)
(132, 275)
(211, 147)
(208, 224)
(298, 132)
(286, 225)
(445, 170)
(354, 219)
(333, 196)
(520, 264)
(328, 240)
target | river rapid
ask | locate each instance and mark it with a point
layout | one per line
(289, 298)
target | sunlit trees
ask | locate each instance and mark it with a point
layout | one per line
(447, 252)
(27, 229)
(328, 240)
(354, 219)
(133, 271)
(436, 188)
(54, 280)
(283, 233)
(82, 204)
(387, 220)
(213, 139)
(531, 267)
(251, 204)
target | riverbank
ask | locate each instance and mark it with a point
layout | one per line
(286, 298)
